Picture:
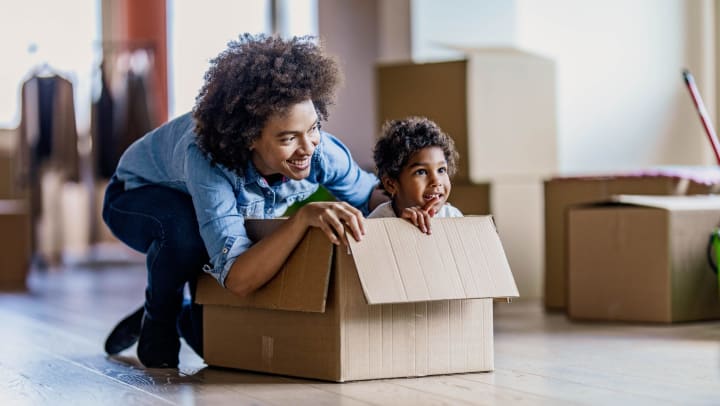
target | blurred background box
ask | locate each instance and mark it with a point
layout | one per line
(8, 184)
(563, 192)
(643, 258)
(471, 198)
(14, 244)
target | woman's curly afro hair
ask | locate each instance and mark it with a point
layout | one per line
(400, 139)
(255, 78)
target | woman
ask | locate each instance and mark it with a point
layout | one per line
(251, 147)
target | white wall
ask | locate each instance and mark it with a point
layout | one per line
(622, 101)
(436, 24)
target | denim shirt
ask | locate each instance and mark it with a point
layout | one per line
(169, 156)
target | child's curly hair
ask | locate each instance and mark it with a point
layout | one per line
(255, 78)
(400, 139)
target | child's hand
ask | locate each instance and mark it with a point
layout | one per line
(420, 216)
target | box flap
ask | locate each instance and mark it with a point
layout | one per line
(462, 258)
(695, 202)
(301, 284)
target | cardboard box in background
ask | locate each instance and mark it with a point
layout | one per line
(8, 187)
(471, 199)
(562, 192)
(403, 304)
(643, 260)
(14, 244)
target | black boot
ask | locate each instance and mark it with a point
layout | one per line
(159, 344)
(125, 333)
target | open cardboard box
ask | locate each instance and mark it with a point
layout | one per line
(643, 258)
(402, 304)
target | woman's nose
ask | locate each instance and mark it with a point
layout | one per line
(308, 145)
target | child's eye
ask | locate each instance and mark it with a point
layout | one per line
(421, 172)
(442, 170)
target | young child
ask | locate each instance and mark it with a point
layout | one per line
(415, 160)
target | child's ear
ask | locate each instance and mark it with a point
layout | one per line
(390, 185)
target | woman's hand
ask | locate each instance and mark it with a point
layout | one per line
(334, 218)
(420, 216)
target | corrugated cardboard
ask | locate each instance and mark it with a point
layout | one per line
(14, 244)
(643, 258)
(403, 304)
(471, 199)
(560, 193)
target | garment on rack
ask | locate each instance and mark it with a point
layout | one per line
(125, 110)
(103, 123)
(48, 134)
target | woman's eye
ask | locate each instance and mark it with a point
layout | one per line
(287, 140)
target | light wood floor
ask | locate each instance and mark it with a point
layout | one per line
(51, 354)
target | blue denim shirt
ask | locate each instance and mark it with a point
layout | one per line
(169, 156)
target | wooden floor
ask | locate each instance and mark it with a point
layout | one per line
(51, 354)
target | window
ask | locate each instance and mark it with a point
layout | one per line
(63, 35)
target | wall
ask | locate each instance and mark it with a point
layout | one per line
(622, 100)
(437, 24)
(348, 29)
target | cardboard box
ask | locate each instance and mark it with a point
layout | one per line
(643, 259)
(471, 199)
(499, 105)
(8, 150)
(403, 304)
(562, 192)
(14, 244)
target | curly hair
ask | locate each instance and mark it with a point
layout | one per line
(400, 139)
(255, 78)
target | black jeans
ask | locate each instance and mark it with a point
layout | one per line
(161, 223)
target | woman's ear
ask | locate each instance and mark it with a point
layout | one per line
(390, 185)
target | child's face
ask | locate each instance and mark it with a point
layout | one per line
(423, 178)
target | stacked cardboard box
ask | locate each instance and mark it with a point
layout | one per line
(14, 244)
(564, 192)
(402, 304)
(643, 258)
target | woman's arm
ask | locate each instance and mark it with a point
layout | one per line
(259, 263)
